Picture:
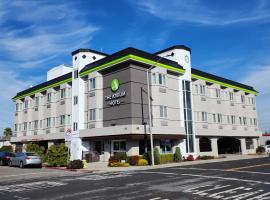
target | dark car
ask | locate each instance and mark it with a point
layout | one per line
(5, 157)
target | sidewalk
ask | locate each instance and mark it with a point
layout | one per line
(101, 167)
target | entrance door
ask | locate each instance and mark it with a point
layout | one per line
(99, 149)
(229, 146)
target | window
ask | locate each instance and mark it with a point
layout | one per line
(166, 146)
(240, 120)
(245, 120)
(49, 97)
(253, 100)
(228, 119)
(204, 116)
(63, 93)
(48, 122)
(62, 119)
(119, 146)
(36, 101)
(154, 78)
(217, 93)
(17, 107)
(233, 119)
(205, 144)
(36, 124)
(161, 79)
(15, 127)
(40, 123)
(255, 122)
(92, 83)
(25, 126)
(219, 118)
(163, 111)
(68, 119)
(214, 118)
(92, 114)
(25, 104)
(243, 99)
(231, 96)
(196, 89)
(249, 143)
(250, 121)
(76, 74)
(202, 89)
(75, 100)
(75, 126)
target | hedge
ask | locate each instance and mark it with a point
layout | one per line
(57, 155)
(166, 158)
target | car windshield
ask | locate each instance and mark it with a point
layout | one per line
(31, 154)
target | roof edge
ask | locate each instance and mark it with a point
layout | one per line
(88, 50)
(174, 47)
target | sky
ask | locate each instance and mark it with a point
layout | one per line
(228, 38)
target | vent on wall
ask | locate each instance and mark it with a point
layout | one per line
(203, 99)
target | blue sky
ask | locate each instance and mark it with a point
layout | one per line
(228, 38)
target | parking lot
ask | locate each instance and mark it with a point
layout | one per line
(243, 179)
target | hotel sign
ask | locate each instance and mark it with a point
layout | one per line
(115, 98)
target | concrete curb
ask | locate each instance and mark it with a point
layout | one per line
(186, 163)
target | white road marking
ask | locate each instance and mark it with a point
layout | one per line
(165, 173)
(30, 186)
(224, 178)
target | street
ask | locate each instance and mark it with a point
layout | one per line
(243, 179)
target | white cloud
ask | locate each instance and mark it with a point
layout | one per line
(198, 12)
(33, 34)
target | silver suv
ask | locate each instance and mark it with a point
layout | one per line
(25, 159)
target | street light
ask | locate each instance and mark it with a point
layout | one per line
(149, 105)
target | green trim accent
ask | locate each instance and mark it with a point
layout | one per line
(44, 88)
(132, 57)
(223, 84)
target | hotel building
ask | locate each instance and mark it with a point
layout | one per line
(101, 105)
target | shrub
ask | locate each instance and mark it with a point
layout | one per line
(166, 158)
(40, 150)
(190, 158)
(120, 156)
(205, 157)
(118, 164)
(75, 164)
(142, 162)
(57, 155)
(177, 155)
(147, 156)
(156, 156)
(133, 160)
(260, 150)
(6, 148)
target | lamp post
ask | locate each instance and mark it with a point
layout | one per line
(149, 106)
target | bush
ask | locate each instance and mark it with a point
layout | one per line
(147, 156)
(6, 148)
(118, 164)
(117, 157)
(166, 158)
(40, 150)
(190, 158)
(57, 155)
(142, 162)
(177, 155)
(75, 164)
(260, 150)
(205, 157)
(156, 156)
(133, 160)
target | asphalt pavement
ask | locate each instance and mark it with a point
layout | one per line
(243, 179)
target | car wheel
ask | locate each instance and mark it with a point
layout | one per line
(21, 164)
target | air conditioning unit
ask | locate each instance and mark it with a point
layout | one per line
(232, 104)
(92, 94)
(48, 105)
(203, 99)
(218, 102)
(205, 126)
(220, 127)
(163, 123)
(162, 90)
(62, 102)
(36, 109)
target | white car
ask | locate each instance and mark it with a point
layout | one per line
(267, 148)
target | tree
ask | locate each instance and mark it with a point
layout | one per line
(7, 132)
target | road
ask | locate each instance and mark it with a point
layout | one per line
(231, 180)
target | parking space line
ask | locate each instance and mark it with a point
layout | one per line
(247, 167)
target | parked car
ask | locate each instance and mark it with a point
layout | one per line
(24, 159)
(267, 149)
(5, 157)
